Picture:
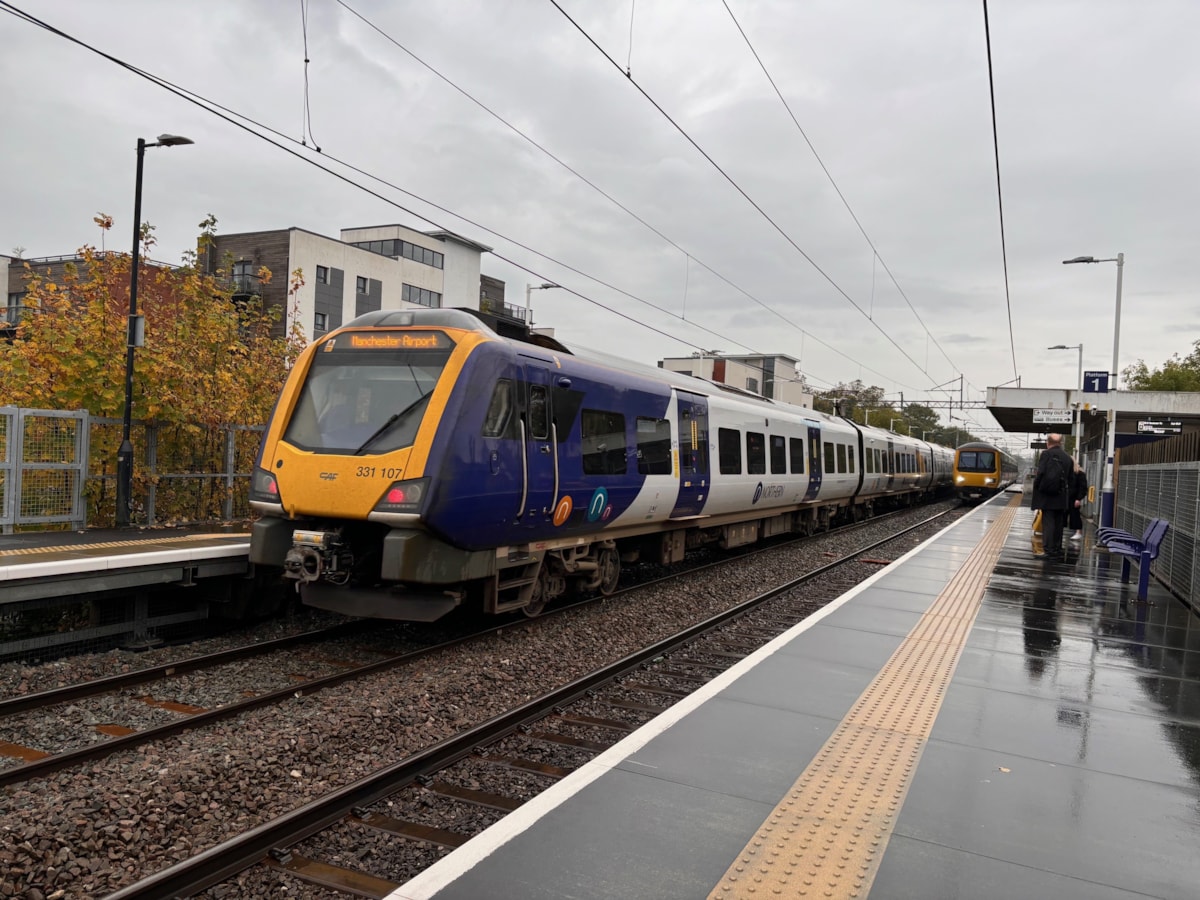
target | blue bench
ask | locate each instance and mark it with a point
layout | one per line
(1144, 552)
(1104, 535)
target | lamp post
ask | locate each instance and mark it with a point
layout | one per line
(133, 333)
(1106, 498)
(1079, 401)
(529, 289)
(892, 425)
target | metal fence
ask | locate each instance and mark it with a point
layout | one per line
(43, 465)
(1168, 491)
(59, 468)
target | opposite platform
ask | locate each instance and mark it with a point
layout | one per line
(973, 721)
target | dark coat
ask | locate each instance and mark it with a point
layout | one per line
(1057, 501)
(1080, 486)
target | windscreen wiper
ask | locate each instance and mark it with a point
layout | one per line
(392, 420)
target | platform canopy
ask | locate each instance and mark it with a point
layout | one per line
(1041, 410)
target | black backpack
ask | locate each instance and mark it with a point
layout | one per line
(1052, 482)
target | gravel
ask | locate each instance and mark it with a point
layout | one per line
(90, 830)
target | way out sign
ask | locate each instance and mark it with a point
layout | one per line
(1053, 417)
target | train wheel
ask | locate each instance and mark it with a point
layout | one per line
(610, 569)
(537, 601)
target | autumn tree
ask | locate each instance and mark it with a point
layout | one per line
(207, 360)
(1176, 374)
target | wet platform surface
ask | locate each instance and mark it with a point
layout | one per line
(1062, 759)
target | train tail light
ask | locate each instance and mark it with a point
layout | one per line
(403, 496)
(263, 487)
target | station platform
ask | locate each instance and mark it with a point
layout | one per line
(47, 564)
(973, 721)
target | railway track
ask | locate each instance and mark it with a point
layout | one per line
(31, 759)
(404, 816)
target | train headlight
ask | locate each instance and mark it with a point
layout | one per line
(403, 496)
(989, 480)
(263, 487)
(960, 479)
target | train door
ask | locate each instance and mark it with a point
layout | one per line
(693, 454)
(814, 462)
(540, 453)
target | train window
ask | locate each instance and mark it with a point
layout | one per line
(653, 446)
(539, 412)
(841, 458)
(778, 455)
(976, 461)
(756, 453)
(353, 399)
(729, 449)
(869, 460)
(830, 466)
(499, 411)
(603, 442)
(850, 460)
(796, 451)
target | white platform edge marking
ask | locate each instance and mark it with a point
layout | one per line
(120, 561)
(447, 870)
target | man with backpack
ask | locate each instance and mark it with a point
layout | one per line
(1052, 493)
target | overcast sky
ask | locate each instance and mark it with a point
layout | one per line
(1099, 141)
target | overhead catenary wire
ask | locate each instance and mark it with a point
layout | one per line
(987, 33)
(877, 256)
(225, 113)
(737, 187)
(595, 187)
(231, 117)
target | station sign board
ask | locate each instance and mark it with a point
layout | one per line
(1160, 426)
(1053, 417)
(1095, 382)
(1037, 445)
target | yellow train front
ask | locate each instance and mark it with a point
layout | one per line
(982, 471)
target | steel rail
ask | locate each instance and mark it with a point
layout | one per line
(222, 861)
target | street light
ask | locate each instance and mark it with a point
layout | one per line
(1107, 498)
(133, 333)
(1079, 400)
(529, 289)
(892, 425)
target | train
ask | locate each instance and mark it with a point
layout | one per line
(418, 461)
(981, 471)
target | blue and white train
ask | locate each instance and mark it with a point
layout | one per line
(417, 461)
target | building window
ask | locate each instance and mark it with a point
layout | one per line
(360, 284)
(411, 294)
(322, 274)
(320, 321)
(397, 248)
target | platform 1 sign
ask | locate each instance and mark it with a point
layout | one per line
(1160, 426)
(1053, 417)
(1095, 382)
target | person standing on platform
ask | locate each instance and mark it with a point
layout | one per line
(1078, 495)
(1052, 493)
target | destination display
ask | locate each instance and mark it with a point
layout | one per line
(1160, 426)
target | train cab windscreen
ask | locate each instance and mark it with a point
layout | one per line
(364, 401)
(977, 461)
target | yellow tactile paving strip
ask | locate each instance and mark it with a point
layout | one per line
(827, 836)
(140, 542)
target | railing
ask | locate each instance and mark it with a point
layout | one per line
(43, 463)
(59, 468)
(1168, 491)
